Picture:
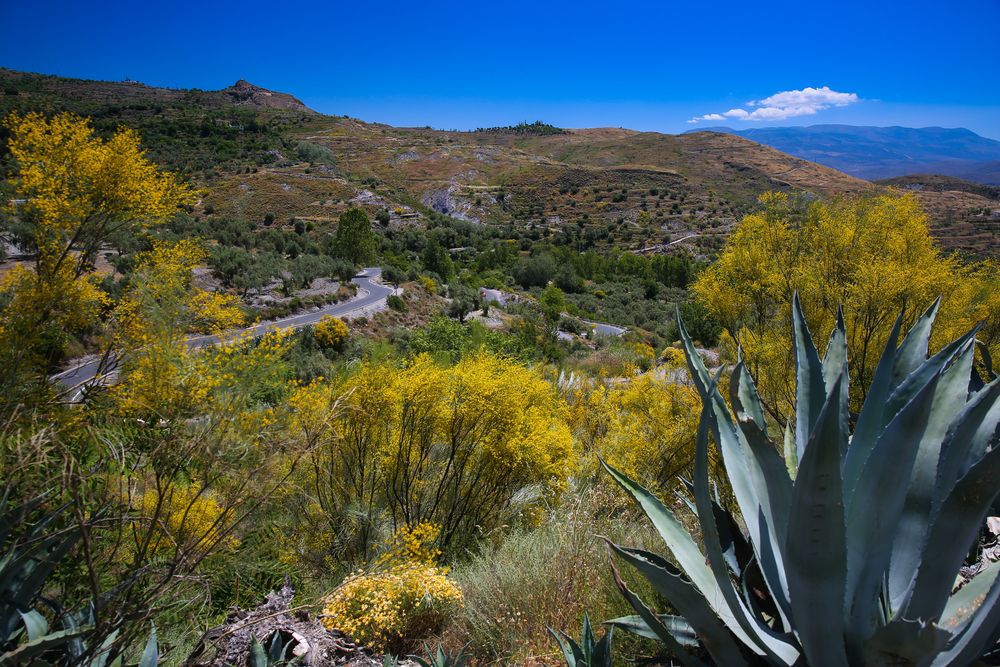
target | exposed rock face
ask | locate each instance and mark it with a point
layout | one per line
(246, 94)
(307, 638)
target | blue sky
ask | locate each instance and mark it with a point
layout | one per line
(644, 65)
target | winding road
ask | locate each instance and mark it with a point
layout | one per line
(370, 293)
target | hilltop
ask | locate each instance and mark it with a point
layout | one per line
(260, 153)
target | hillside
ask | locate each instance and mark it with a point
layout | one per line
(885, 152)
(259, 153)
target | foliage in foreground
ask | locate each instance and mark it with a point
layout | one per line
(404, 596)
(855, 539)
(32, 549)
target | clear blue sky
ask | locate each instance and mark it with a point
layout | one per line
(644, 65)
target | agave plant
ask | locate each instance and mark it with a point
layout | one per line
(276, 654)
(853, 540)
(441, 659)
(28, 559)
(590, 652)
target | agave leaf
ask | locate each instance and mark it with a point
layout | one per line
(968, 438)
(969, 598)
(791, 457)
(835, 364)
(677, 539)
(817, 540)
(810, 388)
(913, 382)
(103, 654)
(953, 531)
(34, 623)
(588, 640)
(676, 625)
(980, 631)
(913, 350)
(735, 547)
(653, 623)
(570, 649)
(873, 510)
(911, 531)
(23, 577)
(25, 654)
(747, 473)
(151, 654)
(745, 399)
(774, 491)
(764, 639)
(602, 656)
(872, 417)
(258, 658)
(904, 642)
(669, 583)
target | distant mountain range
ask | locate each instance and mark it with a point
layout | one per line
(875, 153)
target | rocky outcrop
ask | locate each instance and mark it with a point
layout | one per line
(244, 93)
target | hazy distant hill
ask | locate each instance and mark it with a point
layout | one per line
(884, 152)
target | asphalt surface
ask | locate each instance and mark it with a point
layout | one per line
(369, 293)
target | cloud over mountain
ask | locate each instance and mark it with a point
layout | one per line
(786, 104)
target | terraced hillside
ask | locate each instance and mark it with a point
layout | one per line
(265, 156)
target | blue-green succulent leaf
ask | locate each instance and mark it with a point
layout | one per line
(911, 531)
(668, 582)
(816, 553)
(810, 388)
(953, 531)
(872, 416)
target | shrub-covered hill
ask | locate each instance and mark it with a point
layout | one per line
(258, 152)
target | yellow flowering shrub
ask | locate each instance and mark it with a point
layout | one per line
(187, 517)
(645, 426)
(161, 374)
(330, 332)
(404, 599)
(428, 284)
(673, 357)
(874, 256)
(76, 191)
(456, 446)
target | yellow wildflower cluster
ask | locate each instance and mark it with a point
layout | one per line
(330, 332)
(69, 175)
(77, 189)
(645, 426)
(186, 517)
(160, 372)
(874, 256)
(428, 284)
(451, 445)
(673, 357)
(406, 598)
(413, 544)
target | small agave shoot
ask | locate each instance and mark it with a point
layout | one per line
(590, 652)
(854, 540)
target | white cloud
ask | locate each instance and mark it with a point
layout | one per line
(786, 104)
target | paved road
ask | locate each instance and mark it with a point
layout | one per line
(369, 294)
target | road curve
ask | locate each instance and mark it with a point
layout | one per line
(369, 294)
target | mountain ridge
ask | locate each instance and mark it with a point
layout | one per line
(876, 153)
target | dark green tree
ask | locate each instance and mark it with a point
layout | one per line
(437, 260)
(355, 240)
